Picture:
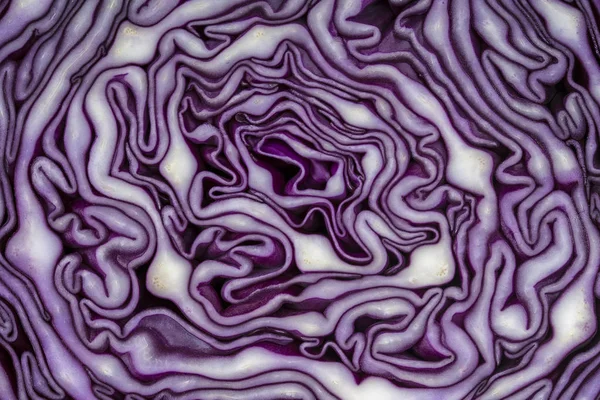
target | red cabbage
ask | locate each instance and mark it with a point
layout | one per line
(299, 199)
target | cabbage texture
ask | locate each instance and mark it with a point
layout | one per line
(299, 199)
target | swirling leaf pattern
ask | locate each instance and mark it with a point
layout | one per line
(300, 199)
